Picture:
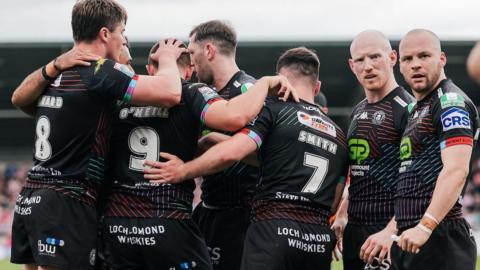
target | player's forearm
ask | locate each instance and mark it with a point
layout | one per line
(391, 226)
(243, 108)
(342, 209)
(473, 62)
(31, 88)
(447, 191)
(169, 80)
(214, 160)
(209, 140)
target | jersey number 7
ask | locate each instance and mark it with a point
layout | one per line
(320, 166)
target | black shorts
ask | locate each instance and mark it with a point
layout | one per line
(287, 245)
(451, 246)
(354, 237)
(50, 229)
(153, 243)
(224, 230)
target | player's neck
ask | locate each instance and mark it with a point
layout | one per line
(305, 92)
(375, 96)
(92, 47)
(223, 72)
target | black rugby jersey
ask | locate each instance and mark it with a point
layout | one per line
(444, 118)
(374, 142)
(303, 157)
(234, 185)
(73, 128)
(141, 133)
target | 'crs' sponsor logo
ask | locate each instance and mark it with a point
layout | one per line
(358, 150)
(405, 148)
(455, 118)
(377, 265)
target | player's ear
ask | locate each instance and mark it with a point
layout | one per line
(318, 84)
(103, 34)
(188, 72)
(210, 50)
(393, 58)
(350, 63)
(150, 70)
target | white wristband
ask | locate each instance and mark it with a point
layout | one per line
(425, 229)
(430, 216)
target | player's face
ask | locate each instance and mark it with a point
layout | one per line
(372, 65)
(421, 62)
(116, 41)
(199, 60)
(125, 57)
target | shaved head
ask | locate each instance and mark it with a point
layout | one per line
(370, 38)
(427, 36)
(422, 61)
(372, 61)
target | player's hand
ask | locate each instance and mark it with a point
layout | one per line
(338, 227)
(168, 172)
(413, 239)
(377, 245)
(75, 57)
(169, 48)
(280, 86)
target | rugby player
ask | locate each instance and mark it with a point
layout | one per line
(303, 162)
(473, 63)
(376, 127)
(149, 226)
(223, 214)
(55, 217)
(435, 155)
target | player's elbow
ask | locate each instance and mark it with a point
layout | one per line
(17, 100)
(236, 121)
(230, 157)
(169, 100)
(473, 68)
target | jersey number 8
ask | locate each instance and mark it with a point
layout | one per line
(43, 148)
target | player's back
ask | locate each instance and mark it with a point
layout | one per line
(73, 128)
(139, 134)
(235, 185)
(303, 157)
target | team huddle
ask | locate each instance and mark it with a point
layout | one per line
(117, 156)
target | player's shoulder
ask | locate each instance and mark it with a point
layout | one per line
(243, 81)
(197, 86)
(359, 107)
(449, 94)
(400, 97)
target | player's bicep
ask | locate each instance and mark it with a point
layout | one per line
(218, 116)
(456, 157)
(149, 90)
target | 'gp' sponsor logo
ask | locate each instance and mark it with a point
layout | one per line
(455, 118)
(405, 148)
(358, 150)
